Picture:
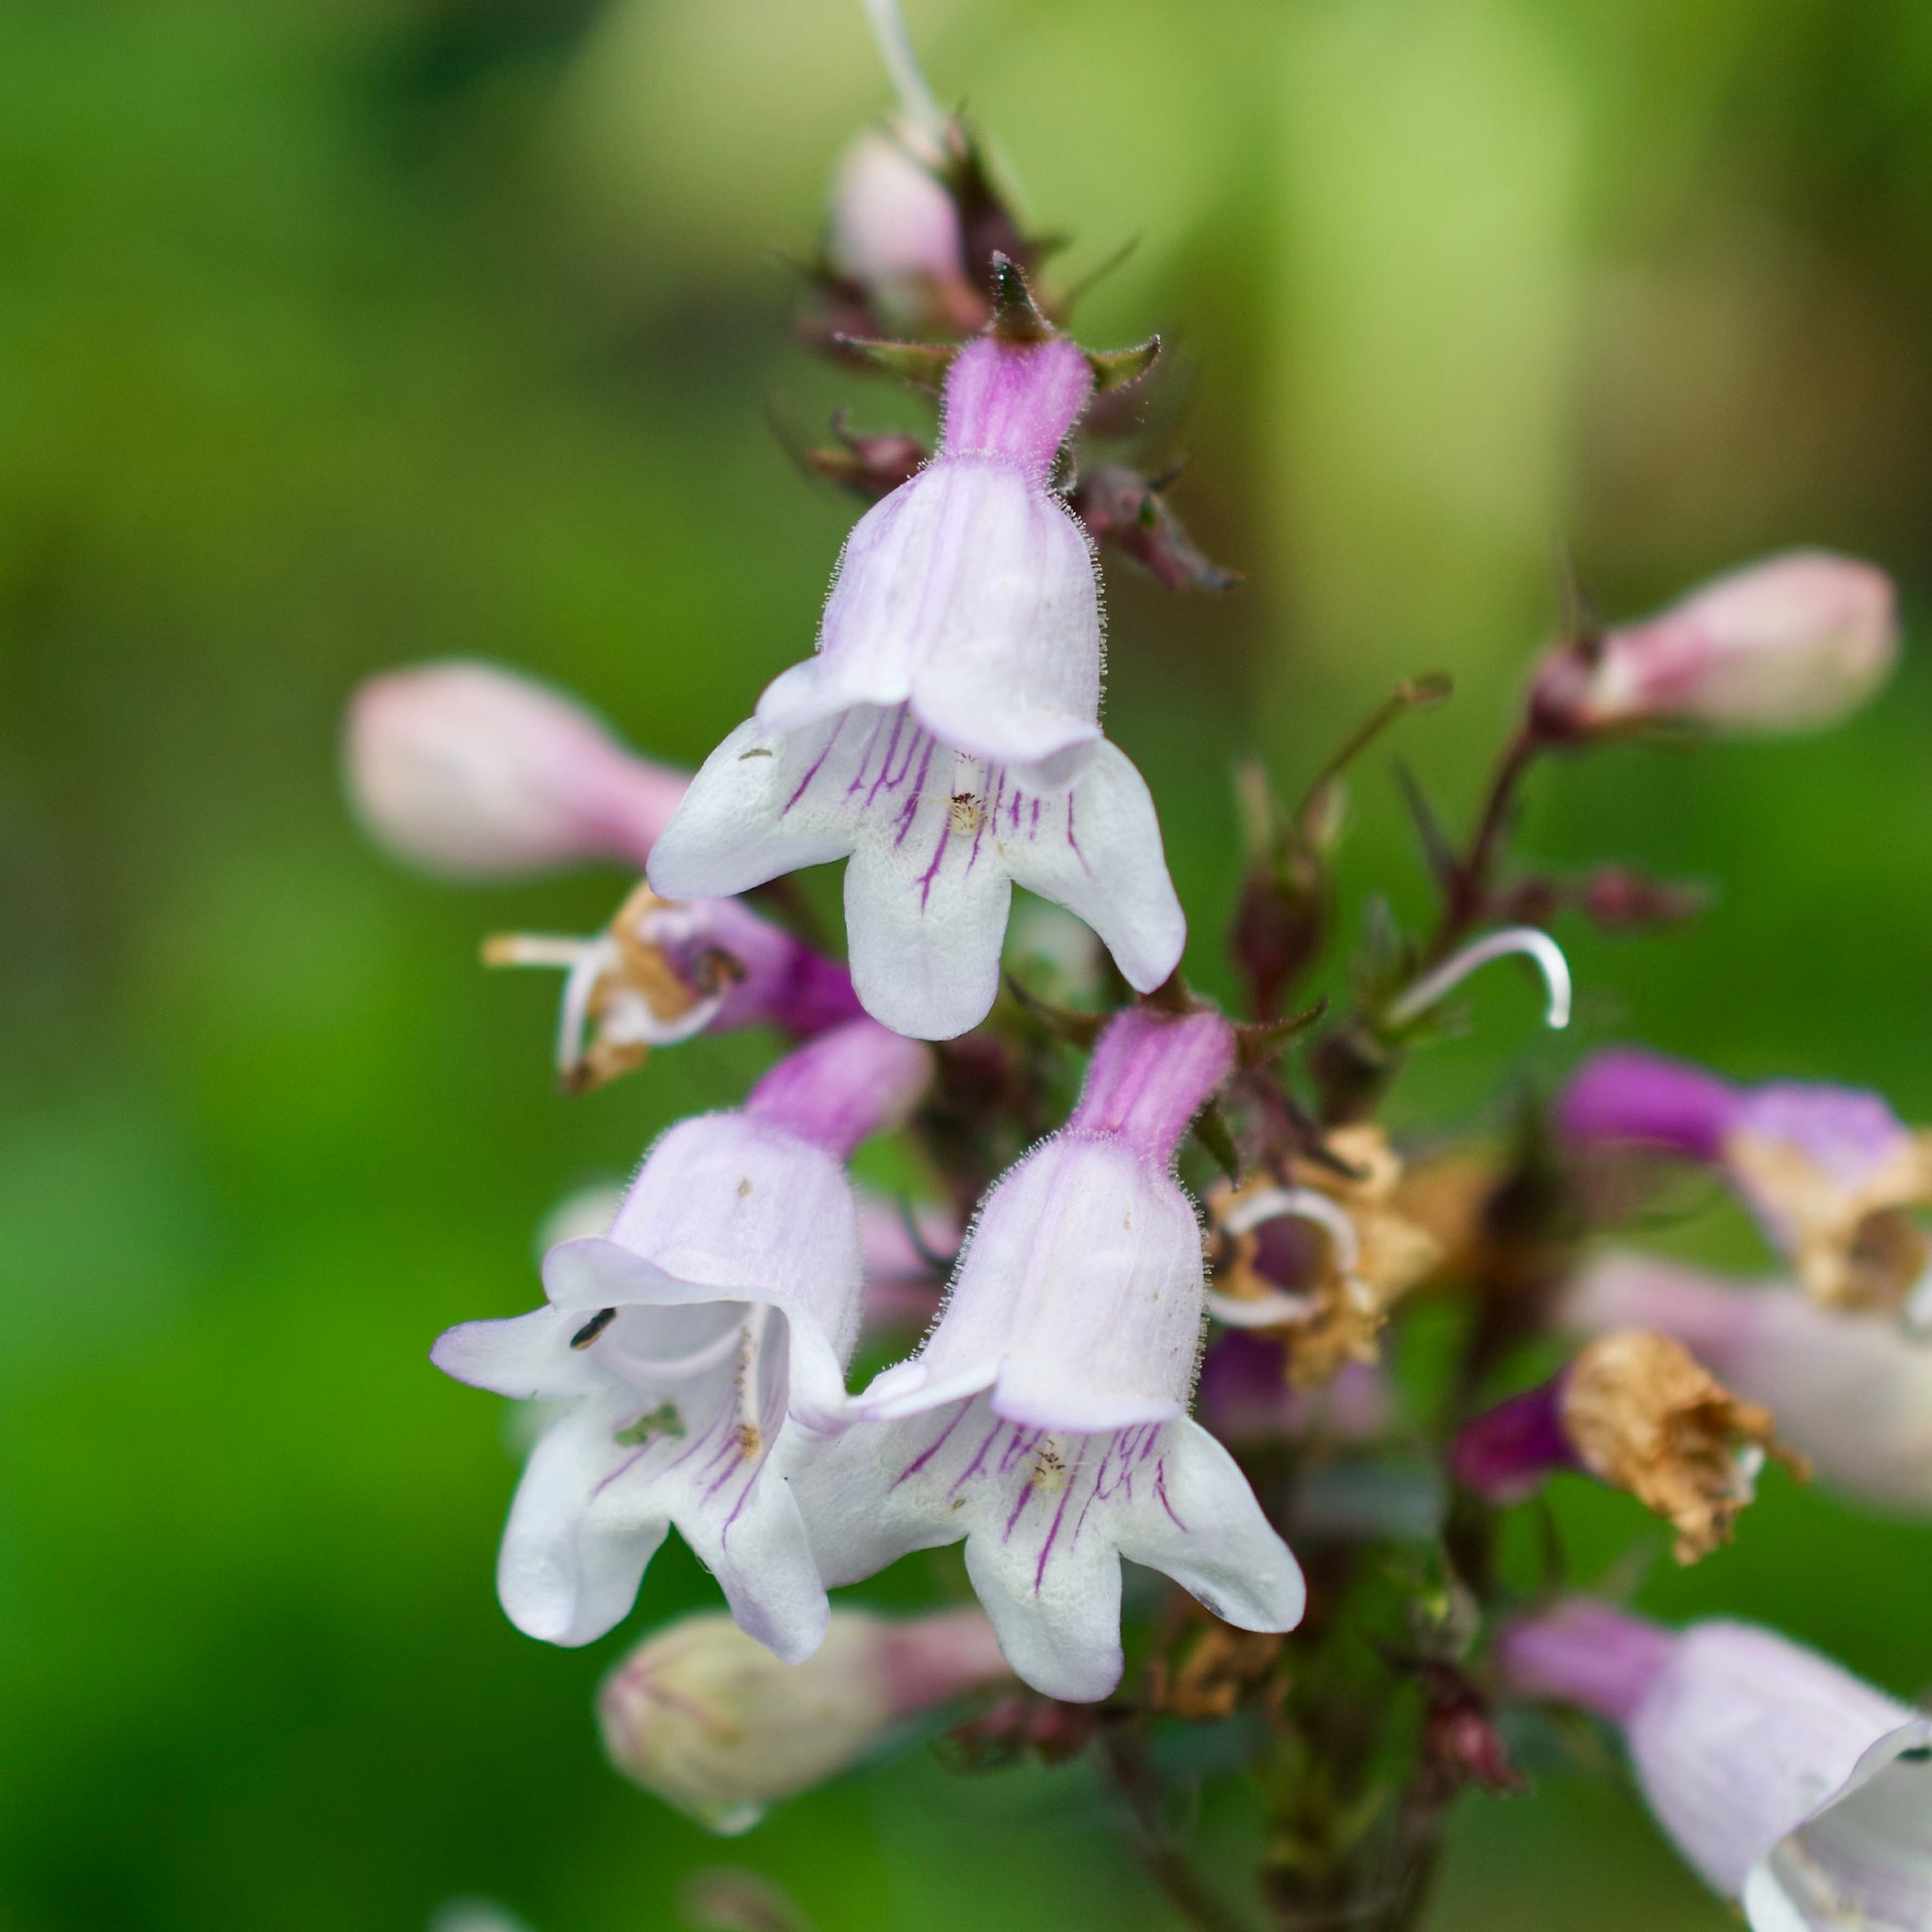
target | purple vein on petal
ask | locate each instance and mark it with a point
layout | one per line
(886, 777)
(1161, 1491)
(865, 761)
(938, 859)
(933, 1447)
(1075, 842)
(1060, 1515)
(804, 783)
(743, 1496)
(979, 1459)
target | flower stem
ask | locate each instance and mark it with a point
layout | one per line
(1474, 878)
(902, 64)
(1124, 1750)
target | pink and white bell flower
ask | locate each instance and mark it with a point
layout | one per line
(1852, 1391)
(1046, 1419)
(467, 768)
(1832, 1174)
(945, 737)
(723, 1302)
(1786, 1783)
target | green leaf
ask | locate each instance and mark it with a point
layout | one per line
(1213, 1132)
(923, 364)
(1115, 368)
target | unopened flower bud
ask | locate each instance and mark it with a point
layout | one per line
(1638, 1412)
(1128, 512)
(871, 467)
(711, 1721)
(894, 233)
(1460, 1744)
(464, 768)
(1787, 1783)
(1791, 643)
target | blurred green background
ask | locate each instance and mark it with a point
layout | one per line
(333, 336)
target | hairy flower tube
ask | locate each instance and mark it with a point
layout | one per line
(723, 1302)
(1831, 1173)
(715, 1725)
(1046, 1419)
(1852, 1392)
(467, 768)
(946, 736)
(1785, 1782)
(1635, 1411)
(1790, 643)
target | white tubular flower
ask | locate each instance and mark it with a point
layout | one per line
(945, 735)
(714, 1724)
(1832, 1174)
(1046, 1419)
(1785, 1782)
(1851, 1390)
(724, 1300)
(466, 768)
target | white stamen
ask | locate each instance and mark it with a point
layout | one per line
(1746, 1466)
(902, 64)
(1278, 1204)
(1916, 1314)
(592, 961)
(1302, 1204)
(532, 949)
(1529, 941)
(753, 1340)
(1258, 1310)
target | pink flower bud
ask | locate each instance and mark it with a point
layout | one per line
(464, 769)
(1791, 643)
(714, 1724)
(894, 230)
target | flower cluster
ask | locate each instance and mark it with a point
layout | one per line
(1129, 1199)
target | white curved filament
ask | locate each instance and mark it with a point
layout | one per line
(1531, 942)
(1301, 1204)
(1277, 1204)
